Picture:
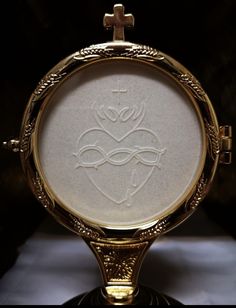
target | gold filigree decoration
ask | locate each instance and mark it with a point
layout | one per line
(40, 193)
(213, 140)
(119, 267)
(199, 194)
(194, 85)
(25, 140)
(142, 51)
(119, 262)
(135, 51)
(94, 52)
(154, 231)
(47, 82)
(83, 230)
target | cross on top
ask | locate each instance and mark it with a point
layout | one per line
(118, 21)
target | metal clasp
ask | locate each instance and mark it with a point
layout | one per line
(12, 145)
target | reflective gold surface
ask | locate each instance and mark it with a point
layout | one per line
(159, 61)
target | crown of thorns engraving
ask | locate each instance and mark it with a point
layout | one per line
(109, 157)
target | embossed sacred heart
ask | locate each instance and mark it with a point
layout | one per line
(119, 168)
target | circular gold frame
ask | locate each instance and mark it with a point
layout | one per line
(126, 51)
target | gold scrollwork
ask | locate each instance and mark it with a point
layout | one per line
(94, 52)
(213, 140)
(119, 262)
(83, 230)
(135, 51)
(41, 194)
(198, 196)
(118, 267)
(25, 140)
(142, 51)
(154, 231)
(194, 85)
(47, 82)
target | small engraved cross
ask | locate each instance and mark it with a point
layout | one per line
(119, 91)
(118, 21)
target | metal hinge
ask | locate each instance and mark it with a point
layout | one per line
(225, 144)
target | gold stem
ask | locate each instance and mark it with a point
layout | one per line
(120, 262)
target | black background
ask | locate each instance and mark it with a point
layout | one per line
(37, 34)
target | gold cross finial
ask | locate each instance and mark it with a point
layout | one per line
(118, 21)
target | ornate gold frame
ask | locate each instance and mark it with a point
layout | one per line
(119, 51)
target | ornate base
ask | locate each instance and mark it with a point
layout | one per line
(145, 296)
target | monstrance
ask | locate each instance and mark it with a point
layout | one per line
(120, 143)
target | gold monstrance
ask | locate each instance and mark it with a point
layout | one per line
(120, 143)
